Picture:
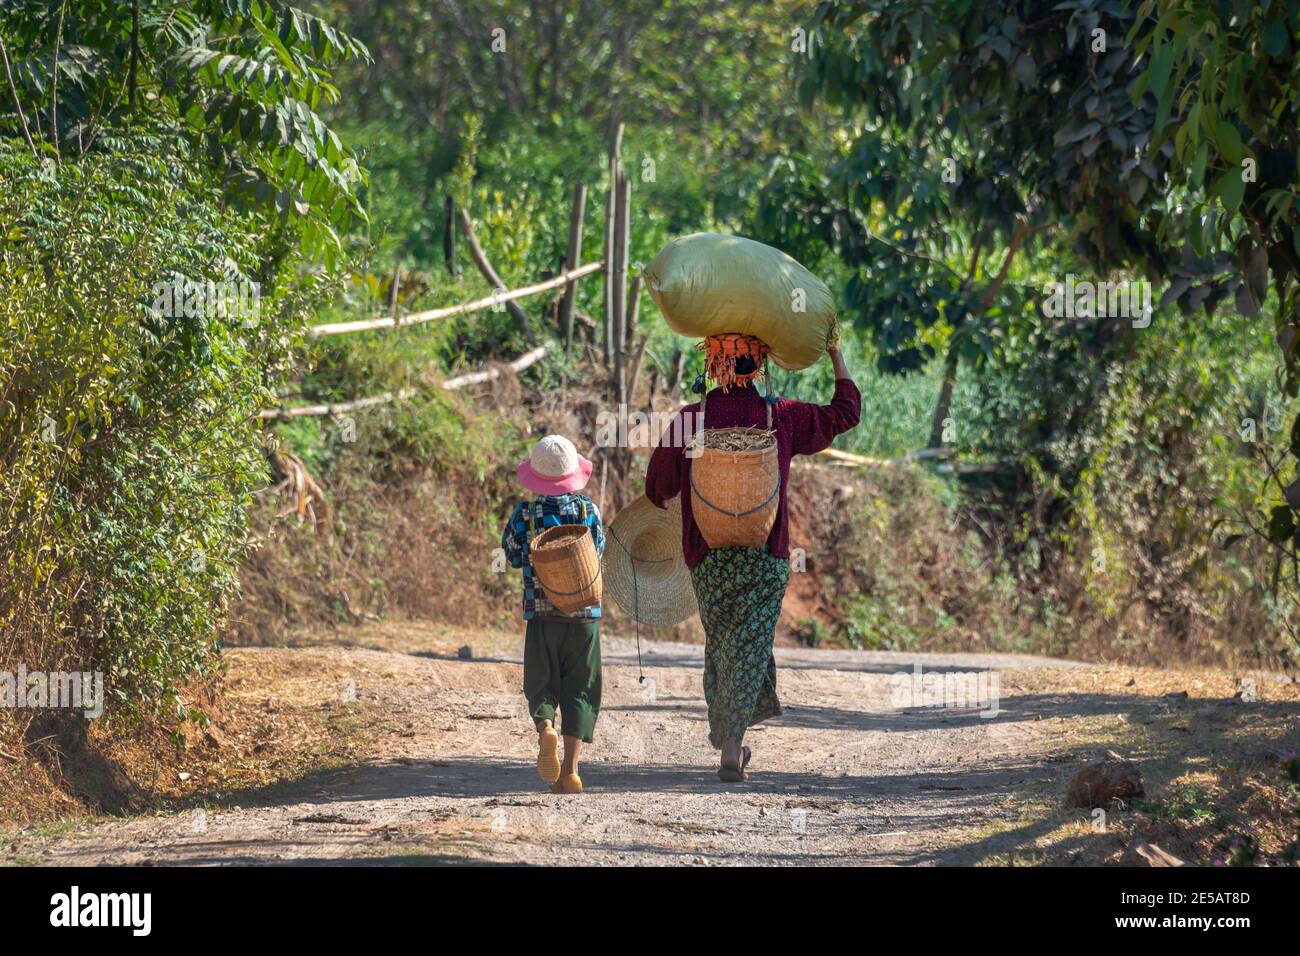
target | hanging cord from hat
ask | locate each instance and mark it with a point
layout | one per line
(636, 595)
(636, 612)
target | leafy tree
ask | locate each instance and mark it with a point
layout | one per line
(242, 80)
(702, 86)
(1161, 139)
(696, 67)
(145, 147)
(1225, 75)
(977, 128)
(1157, 140)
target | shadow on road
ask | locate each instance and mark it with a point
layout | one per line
(988, 805)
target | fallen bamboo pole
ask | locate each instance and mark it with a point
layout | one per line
(487, 375)
(481, 260)
(923, 454)
(971, 468)
(335, 409)
(849, 458)
(460, 381)
(446, 312)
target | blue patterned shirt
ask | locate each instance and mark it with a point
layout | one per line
(548, 511)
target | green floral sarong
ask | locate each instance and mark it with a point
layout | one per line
(740, 592)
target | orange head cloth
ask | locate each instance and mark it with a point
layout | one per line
(721, 352)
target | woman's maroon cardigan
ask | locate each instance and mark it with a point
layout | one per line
(802, 428)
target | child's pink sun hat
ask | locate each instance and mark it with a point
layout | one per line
(554, 467)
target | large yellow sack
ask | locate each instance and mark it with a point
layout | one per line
(707, 284)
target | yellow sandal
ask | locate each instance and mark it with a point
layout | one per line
(569, 783)
(548, 755)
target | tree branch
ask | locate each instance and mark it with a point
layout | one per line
(13, 89)
(135, 51)
(54, 82)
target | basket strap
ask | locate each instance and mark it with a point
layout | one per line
(531, 523)
(733, 514)
(769, 399)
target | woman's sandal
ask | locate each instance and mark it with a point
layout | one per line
(736, 774)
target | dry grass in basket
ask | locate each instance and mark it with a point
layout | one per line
(558, 537)
(736, 439)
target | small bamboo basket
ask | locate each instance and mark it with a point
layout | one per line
(566, 565)
(735, 481)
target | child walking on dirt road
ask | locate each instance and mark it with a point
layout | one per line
(561, 650)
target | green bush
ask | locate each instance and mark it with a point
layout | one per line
(1127, 472)
(129, 443)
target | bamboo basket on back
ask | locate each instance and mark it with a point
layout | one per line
(566, 566)
(735, 482)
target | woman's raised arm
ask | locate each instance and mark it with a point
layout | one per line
(817, 425)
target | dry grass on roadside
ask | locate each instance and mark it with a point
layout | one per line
(279, 718)
(1214, 764)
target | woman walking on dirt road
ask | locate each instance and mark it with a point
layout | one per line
(740, 589)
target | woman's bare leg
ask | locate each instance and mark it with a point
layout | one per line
(732, 754)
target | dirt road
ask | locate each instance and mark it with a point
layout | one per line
(444, 769)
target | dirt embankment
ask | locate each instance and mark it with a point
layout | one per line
(885, 558)
(419, 540)
(880, 562)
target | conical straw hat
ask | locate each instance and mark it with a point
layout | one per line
(643, 565)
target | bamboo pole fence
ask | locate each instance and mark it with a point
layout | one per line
(464, 308)
(531, 357)
(621, 348)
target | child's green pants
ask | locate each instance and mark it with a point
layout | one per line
(562, 671)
